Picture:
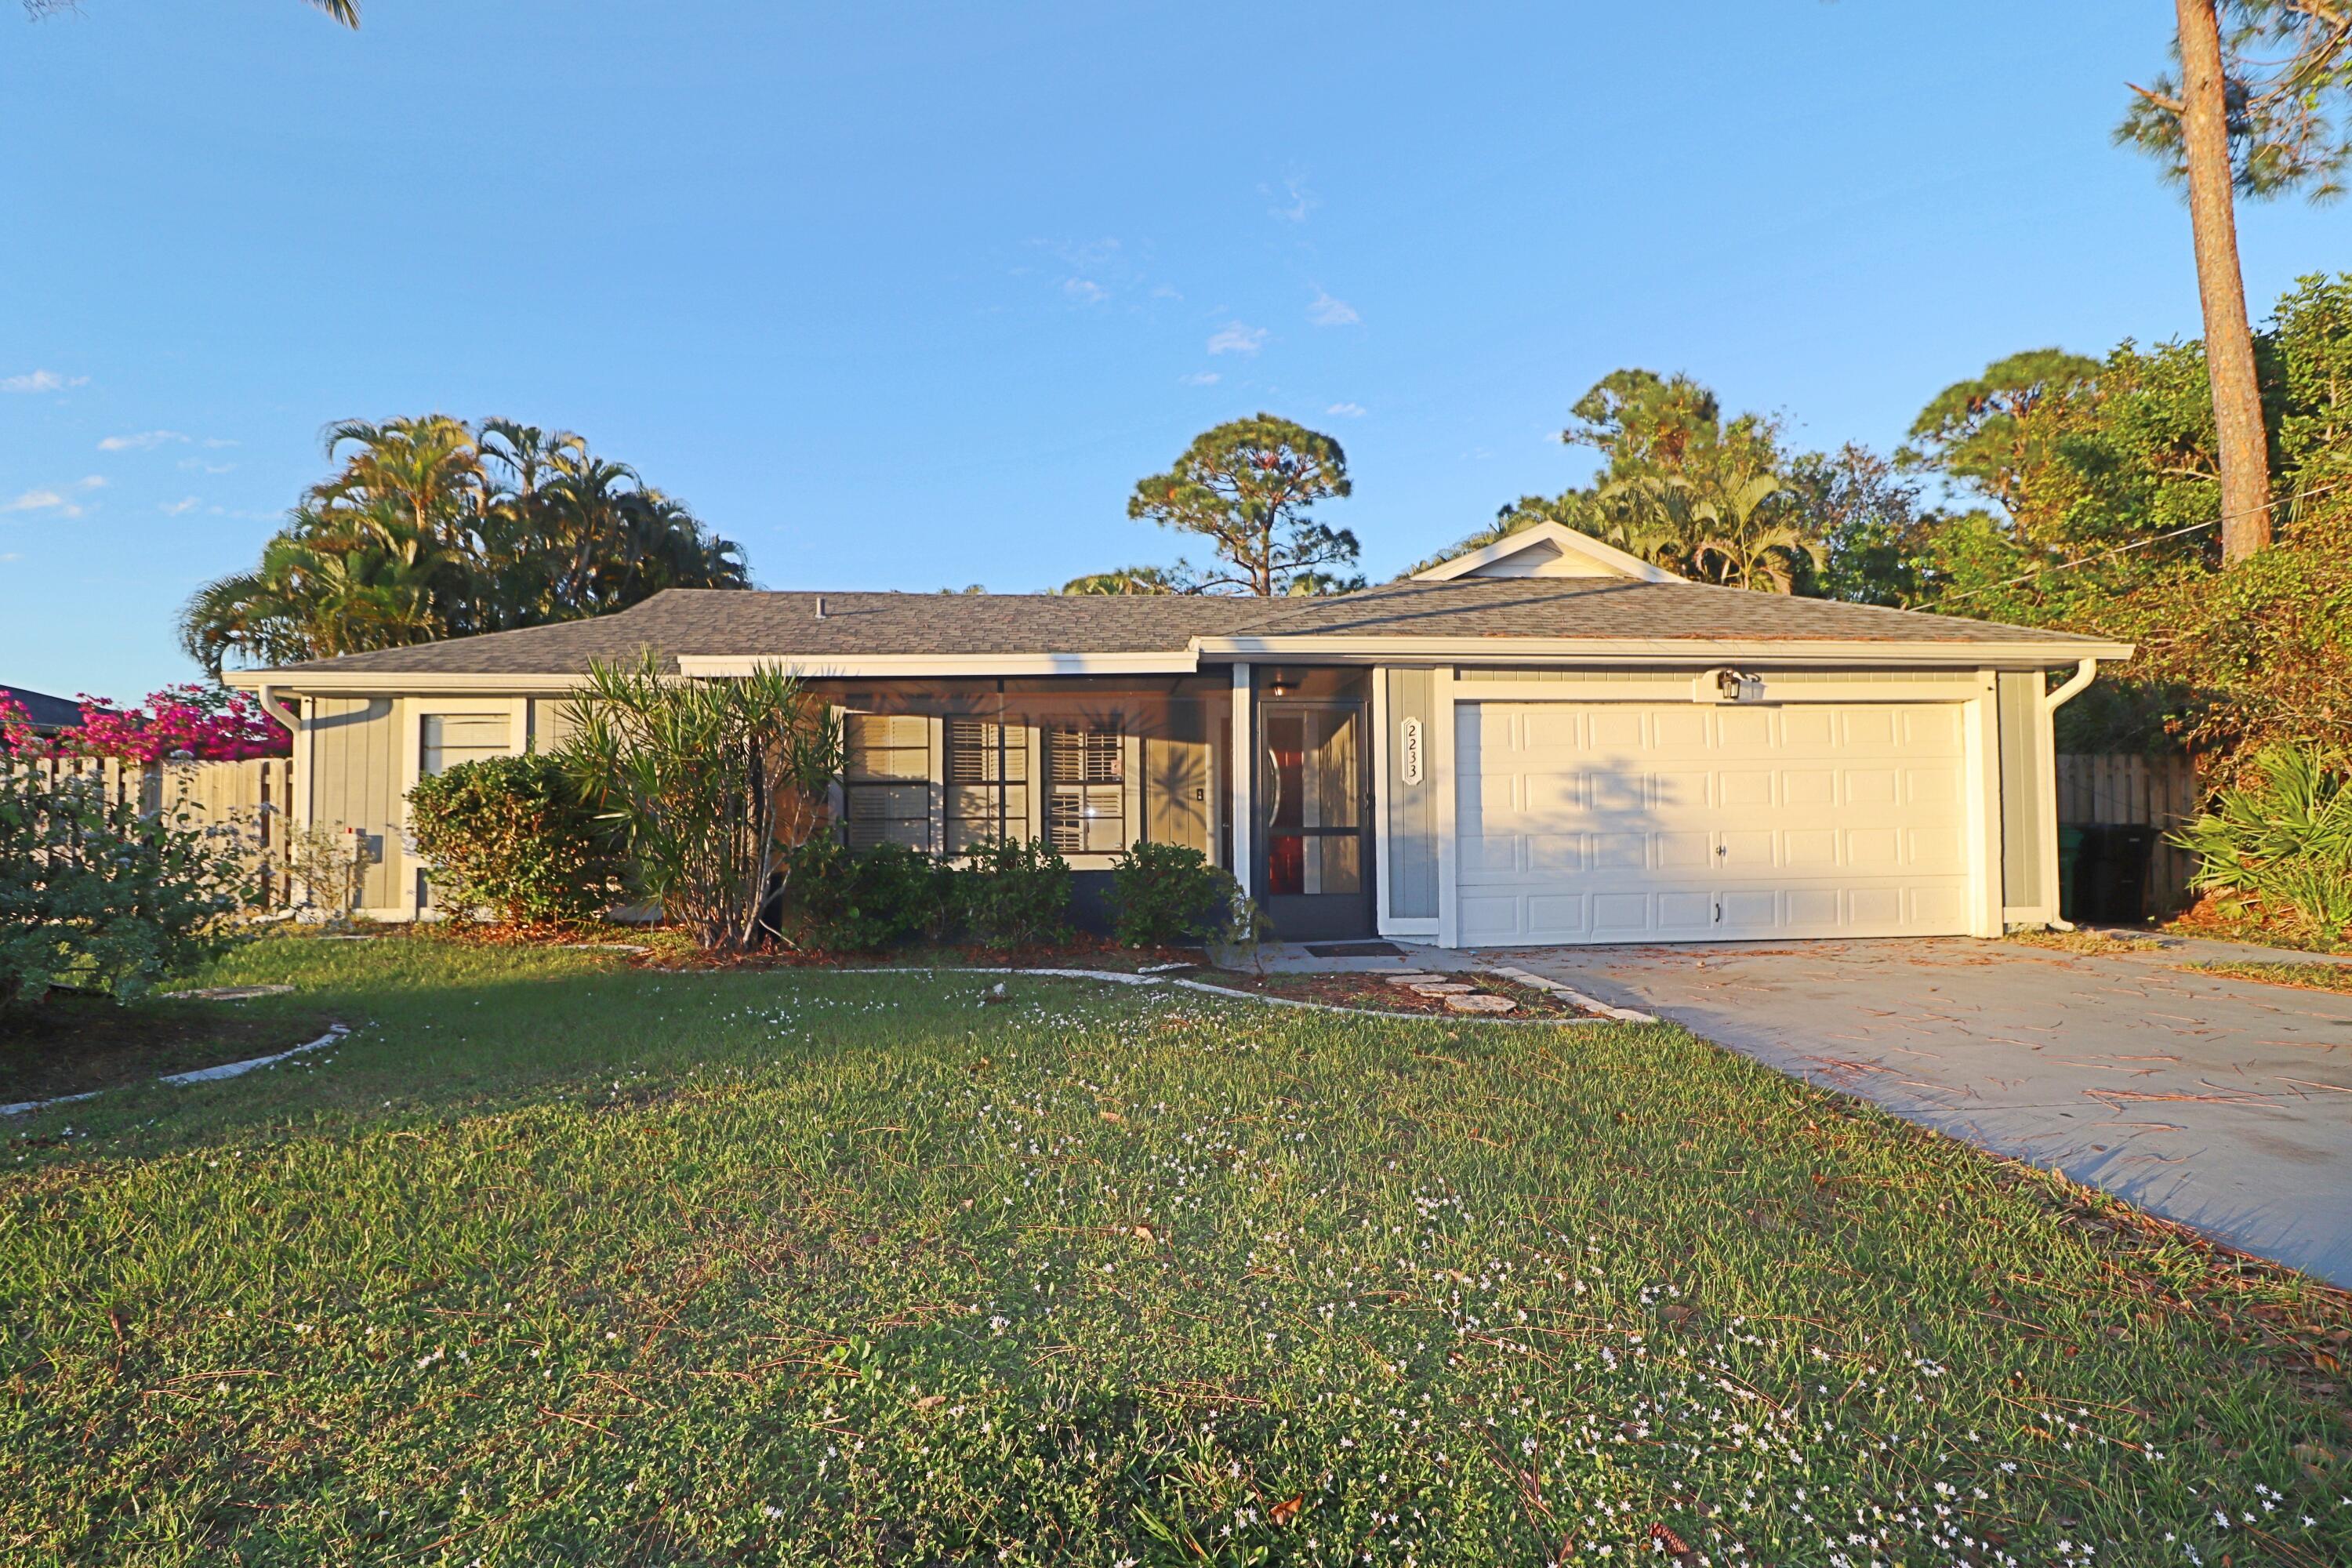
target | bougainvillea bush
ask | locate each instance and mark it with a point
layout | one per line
(97, 894)
(202, 723)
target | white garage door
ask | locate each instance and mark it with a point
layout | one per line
(1638, 822)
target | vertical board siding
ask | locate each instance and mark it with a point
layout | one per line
(2125, 788)
(2023, 877)
(1411, 826)
(355, 759)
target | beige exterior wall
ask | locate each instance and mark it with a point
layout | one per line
(351, 752)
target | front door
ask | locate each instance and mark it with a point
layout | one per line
(1315, 872)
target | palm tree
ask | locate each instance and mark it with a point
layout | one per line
(1713, 527)
(431, 529)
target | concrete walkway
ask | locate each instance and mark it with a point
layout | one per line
(2222, 1104)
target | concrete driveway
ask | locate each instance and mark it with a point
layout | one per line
(2222, 1104)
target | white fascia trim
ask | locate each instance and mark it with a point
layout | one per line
(1558, 535)
(1650, 652)
(399, 683)
(1182, 662)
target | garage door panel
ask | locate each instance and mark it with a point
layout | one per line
(1485, 918)
(1683, 851)
(1934, 848)
(1621, 914)
(1552, 856)
(1631, 821)
(1484, 857)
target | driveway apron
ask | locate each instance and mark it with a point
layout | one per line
(2221, 1104)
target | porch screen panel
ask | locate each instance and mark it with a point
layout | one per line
(1085, 791)
(987, 783)
(886, 776)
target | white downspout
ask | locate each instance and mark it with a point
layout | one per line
(267, 696)
(2085, 671)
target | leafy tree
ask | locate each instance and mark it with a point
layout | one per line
(1874, 537)
(1983, 431)
(431, 529)
(1247, 486)
(2258, 107)
(1681, 487)
(1132, 580)
(2106, 529)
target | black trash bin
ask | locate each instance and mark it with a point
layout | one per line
(2109, 885)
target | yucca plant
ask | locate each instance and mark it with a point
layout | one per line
(2282, 839)
(712, 784)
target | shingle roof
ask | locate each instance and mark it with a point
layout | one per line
(1613, 608)
(46, 712)
(723, 623)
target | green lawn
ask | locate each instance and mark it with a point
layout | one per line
(2309, 977)
(556, 1261)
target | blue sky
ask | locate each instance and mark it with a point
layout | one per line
(909, 297)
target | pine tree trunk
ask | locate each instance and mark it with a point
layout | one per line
(2229, 337)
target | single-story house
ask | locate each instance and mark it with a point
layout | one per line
(47, 715)
(1544, 741)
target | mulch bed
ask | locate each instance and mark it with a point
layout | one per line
(1376, 992)
(74, 1042)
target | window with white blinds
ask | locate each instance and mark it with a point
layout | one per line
(886, 779)
(987, 783)
(448, 739)
(1085, 791)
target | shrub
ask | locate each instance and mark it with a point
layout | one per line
(2282, 839)
(514, 835)
(862, 900)
(1012, 893)
(713, 784)
(1167, 893)
(95, 894)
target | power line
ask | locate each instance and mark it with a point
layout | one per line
(2297, 498)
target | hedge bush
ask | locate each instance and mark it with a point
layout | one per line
(1012, 893)
(515, 835)
(1161, 894)
(95, 894)
(840, 899)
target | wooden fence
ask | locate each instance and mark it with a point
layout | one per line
(2162, 792)
(256, 797)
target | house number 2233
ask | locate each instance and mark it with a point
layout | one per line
(1409, 750)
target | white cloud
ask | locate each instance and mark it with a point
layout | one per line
(55, 500)
(1296, 201)
(1326, 311)
(175, 508)
(1085, 291)
(41, 380)
(142, 441)
(198, 465)
(217, 441)
(1233, 338)
(1348, 410)
(1201, 378)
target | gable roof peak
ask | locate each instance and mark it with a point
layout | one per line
(1547, 550)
